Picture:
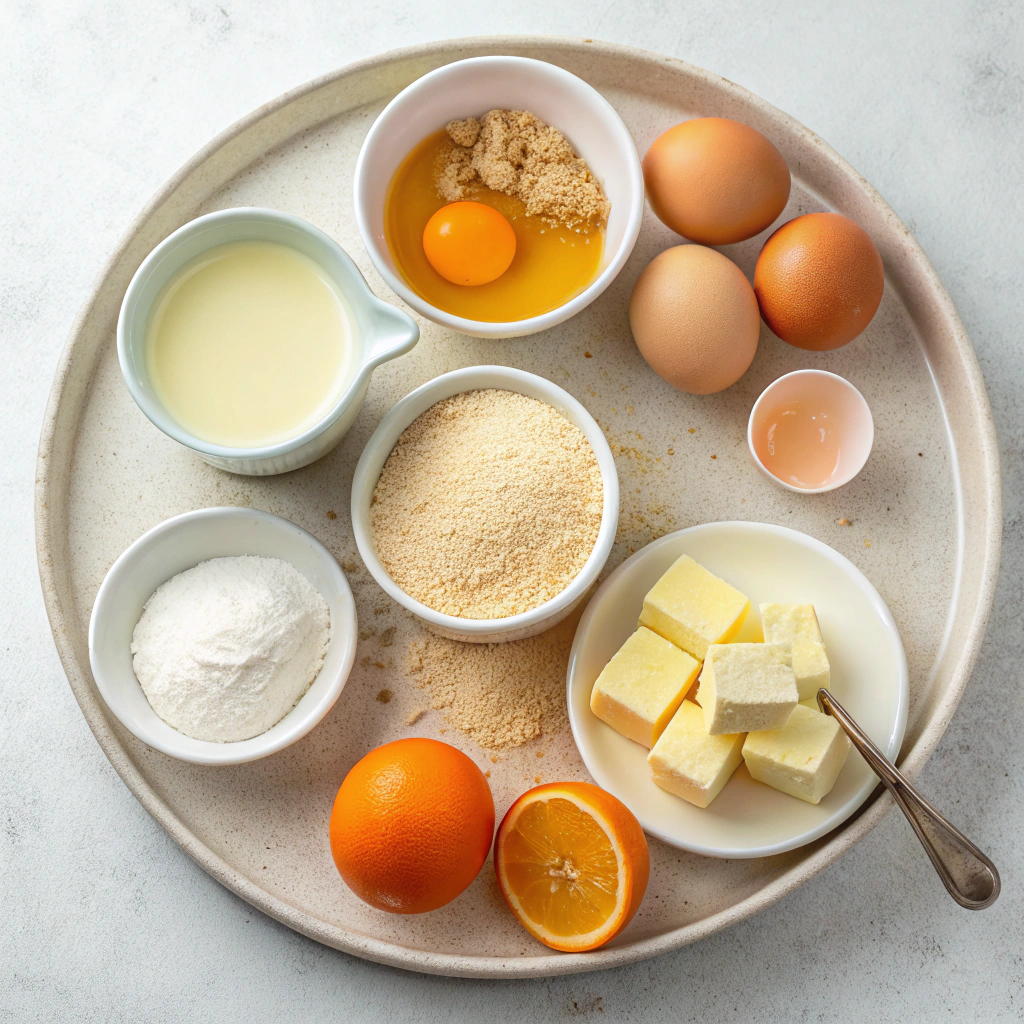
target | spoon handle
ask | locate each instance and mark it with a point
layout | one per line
(970, 877)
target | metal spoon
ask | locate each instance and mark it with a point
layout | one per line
(970, 877)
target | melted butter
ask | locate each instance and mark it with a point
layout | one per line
(249, 345)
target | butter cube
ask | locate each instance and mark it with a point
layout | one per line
(693, 608)
(690, 763)
(797, 624)
(784, 623)
(642, 686)
(803, 758)
(747, 686)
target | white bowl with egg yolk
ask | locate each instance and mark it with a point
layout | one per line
(377, 330)
(378, 448)
(472, 87)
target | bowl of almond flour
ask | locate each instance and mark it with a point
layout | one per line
(486, 503)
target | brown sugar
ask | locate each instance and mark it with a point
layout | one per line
(502, 695)
(489, 504)
(517, 154)
(464, 133)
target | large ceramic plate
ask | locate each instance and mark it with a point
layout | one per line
(927, 503)
(868, 677)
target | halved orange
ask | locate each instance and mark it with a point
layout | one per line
(572, 863)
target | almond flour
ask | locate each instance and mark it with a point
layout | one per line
(501, 695)
(517, 154)
(488, 505)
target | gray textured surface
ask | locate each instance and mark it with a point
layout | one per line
(105, 919)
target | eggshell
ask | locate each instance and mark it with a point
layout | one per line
(819, 281)
(695, 319)
(715, 181)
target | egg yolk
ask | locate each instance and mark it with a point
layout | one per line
(469, 243)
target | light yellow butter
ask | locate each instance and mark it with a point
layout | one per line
(693, 608)
(642, 686)
(797, 624)
(803, 758)
(690, 763)
(747, 686)
(784, 623)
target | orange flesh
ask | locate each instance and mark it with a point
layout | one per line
(551, 264)
(561, 867)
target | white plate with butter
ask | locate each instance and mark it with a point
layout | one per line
(767, 563)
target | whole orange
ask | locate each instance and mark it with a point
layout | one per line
(818, 281)
(411, 825)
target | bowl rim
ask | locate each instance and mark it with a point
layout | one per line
(810, 371)
(344, 630)
(376, 248)
(892, 743)
(353, 288)
(383, 440)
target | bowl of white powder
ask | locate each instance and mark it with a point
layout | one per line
(222, 635)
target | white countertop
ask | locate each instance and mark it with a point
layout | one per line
(105, 919)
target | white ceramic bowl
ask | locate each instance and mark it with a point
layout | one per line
(869, 677)
(852, 417)
(179, 544)
(472, 87)
(377, 449)
(382, 331)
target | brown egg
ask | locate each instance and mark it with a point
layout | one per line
(715, 181)
(694, 318)
(819, 280)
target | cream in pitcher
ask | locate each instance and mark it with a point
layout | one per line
(249, 344)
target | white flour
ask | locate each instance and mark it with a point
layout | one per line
(225, 650)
